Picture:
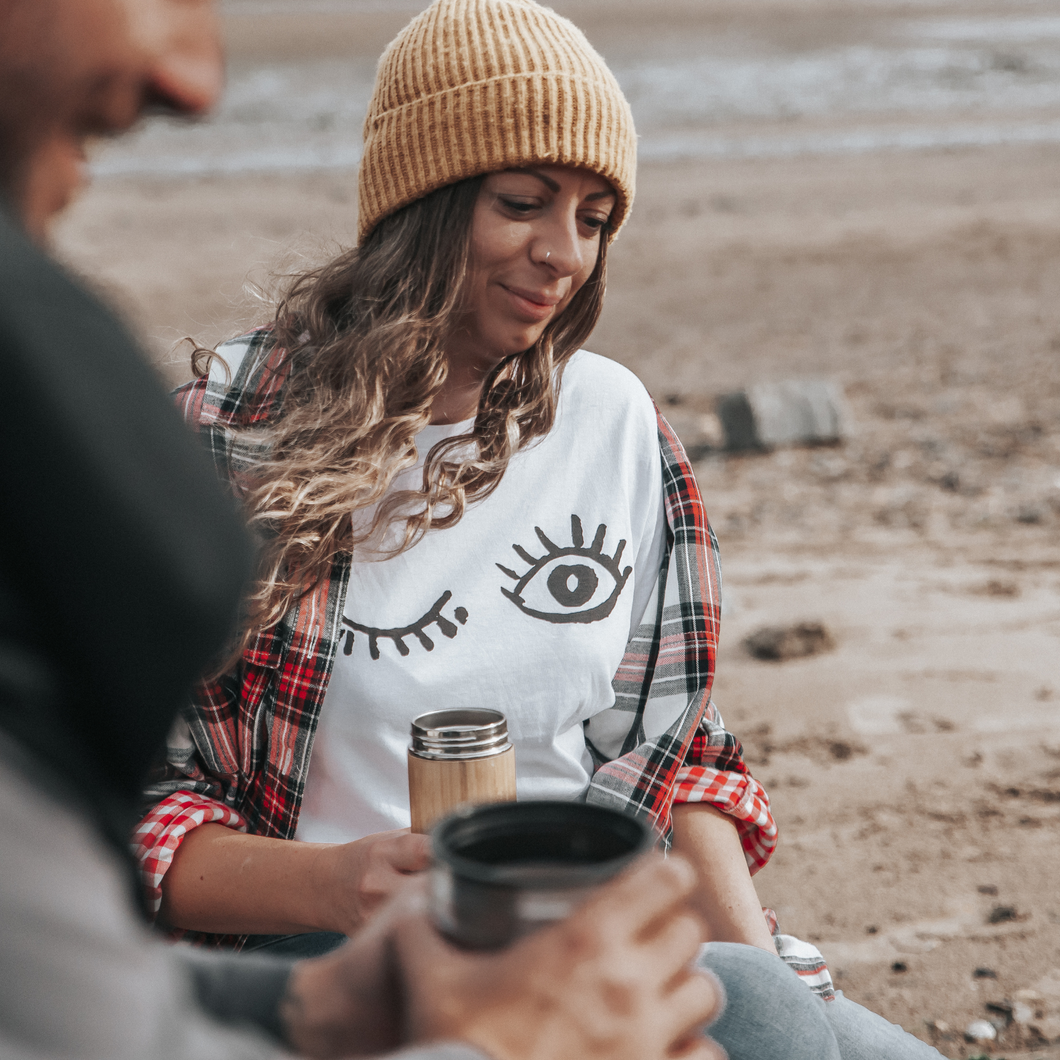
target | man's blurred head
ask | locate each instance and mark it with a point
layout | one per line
(71, 70)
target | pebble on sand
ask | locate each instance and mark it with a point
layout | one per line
(1002, 914)
(777, 643)
(980, 1031)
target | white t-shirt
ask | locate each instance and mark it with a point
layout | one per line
(525, 606)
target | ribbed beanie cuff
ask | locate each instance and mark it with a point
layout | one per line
(475, 86)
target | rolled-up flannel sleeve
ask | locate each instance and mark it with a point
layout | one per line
(157, 838)
(197, 781)
(663, 741)
(183, 796)
(714, 772)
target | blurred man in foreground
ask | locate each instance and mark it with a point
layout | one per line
(121, 570)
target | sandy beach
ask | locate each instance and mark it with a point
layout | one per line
(914, 768)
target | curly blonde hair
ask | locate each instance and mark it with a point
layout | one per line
(365, 340)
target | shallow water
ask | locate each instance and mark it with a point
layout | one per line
(699, 88)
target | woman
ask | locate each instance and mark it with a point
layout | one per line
(460, 507)
(429, 382)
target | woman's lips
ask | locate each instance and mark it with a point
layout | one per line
(532, 306)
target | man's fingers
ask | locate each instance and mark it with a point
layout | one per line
(691, 1006)
(700, 1049)
(631, 903)
(414, 929)
(408, 898)
(671, 948)
(416, 947)
(419, 945)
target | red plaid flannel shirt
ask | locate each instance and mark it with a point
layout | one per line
(239, 756)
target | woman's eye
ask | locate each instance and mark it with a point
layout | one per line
(596, 222)
(573, 583)
(518, 206)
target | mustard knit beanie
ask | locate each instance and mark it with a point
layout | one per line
(474, 86)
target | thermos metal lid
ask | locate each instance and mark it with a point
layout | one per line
(470, 733)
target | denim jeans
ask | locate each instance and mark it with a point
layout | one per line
(771, 1014)
(297, 947)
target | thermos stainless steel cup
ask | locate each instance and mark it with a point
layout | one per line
(458, 758)
(501, 871)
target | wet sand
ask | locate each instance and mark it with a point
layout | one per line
(915, 769)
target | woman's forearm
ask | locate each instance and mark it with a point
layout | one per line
(725, 896)
(235, 884)
(224, 881)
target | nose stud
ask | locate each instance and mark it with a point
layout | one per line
(548, 255)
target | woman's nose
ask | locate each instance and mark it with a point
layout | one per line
(561, 246)
(183, 39)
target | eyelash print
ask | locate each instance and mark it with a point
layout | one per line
(586, 577)
(417, 629)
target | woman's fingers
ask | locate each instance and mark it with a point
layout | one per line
(405, 853)
(389, 863)
(368, 871)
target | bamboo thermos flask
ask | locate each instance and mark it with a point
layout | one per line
(458, 758)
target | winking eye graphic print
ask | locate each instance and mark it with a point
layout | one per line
(569, 583)
(584, 581)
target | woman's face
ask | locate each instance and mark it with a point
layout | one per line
(535, 239)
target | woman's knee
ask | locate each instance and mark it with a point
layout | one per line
(864, 1035)
(769, 1012)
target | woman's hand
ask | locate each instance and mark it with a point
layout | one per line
(368, 871)
(224, 881)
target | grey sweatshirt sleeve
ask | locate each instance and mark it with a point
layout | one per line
(248, 990)
(80, 974)
(244, 990)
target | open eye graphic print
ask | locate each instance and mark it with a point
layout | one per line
(573, 583)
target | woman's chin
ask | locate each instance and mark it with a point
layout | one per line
(524, 340)
(511, 347)
(481, 350)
